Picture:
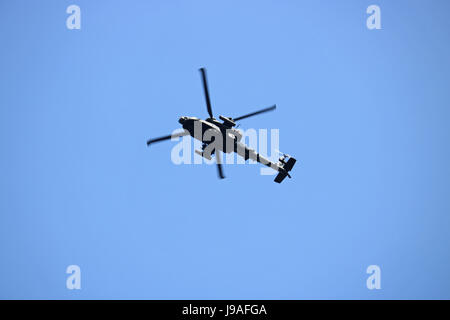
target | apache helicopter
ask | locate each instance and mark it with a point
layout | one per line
(225, 138)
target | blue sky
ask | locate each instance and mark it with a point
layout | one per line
(365, 112)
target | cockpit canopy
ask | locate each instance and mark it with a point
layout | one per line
(184, 119)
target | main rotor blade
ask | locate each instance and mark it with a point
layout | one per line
(219, 165)
(255, 113)
(178, 134)
(219, 170)
(205, 88)
(159, 139)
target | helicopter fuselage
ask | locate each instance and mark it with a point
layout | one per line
(207, 131)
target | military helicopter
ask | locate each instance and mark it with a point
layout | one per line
(219, 137)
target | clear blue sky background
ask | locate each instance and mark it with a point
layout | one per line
(365, 112)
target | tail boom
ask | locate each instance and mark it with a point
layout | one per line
(282, 166)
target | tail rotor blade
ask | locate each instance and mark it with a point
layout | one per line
(255, 113)
(205, 88)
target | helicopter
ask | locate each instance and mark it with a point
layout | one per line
(222, 136)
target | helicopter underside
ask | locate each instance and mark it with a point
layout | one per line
(215, 138)
(208, 133)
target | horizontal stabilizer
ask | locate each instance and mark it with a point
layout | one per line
(290, 164)
(283, 173)
(280, 177)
